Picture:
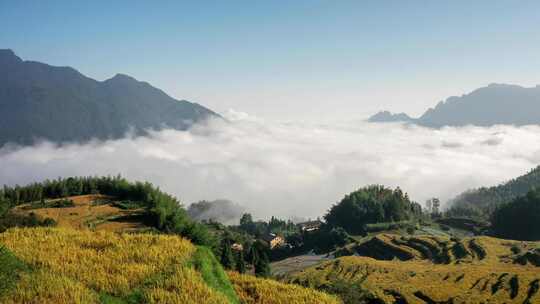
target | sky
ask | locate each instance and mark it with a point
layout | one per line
(288, 60)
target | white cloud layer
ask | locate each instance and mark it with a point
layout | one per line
(291, 169)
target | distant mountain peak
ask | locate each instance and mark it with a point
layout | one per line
(7, 56)
(122, 77)
(495, 104)
(502, 85)
(387, 116)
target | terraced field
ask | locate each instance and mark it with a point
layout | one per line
(95, 212)
(253, 290)
(58, 265)
(427, 269)
(64, 265)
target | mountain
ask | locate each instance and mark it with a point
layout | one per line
(386, 116)
(488, 198)
(39, 101)
(487, 106)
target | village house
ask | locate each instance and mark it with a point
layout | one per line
(273, 240)
(237, 247)
(310, 225)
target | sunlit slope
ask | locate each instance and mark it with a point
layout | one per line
(92, 211)
(252, 290)
(437, 270)
(69, 266)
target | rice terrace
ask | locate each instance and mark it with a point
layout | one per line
(270, 152)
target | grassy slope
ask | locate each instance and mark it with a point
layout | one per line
(483, 270)
(212, 273)
(10, 269)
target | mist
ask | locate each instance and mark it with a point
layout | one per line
(290, 169)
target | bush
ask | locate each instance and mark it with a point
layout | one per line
(445, 228)
(48, 222)
(63, 203)
(12, 219)
(128, 205)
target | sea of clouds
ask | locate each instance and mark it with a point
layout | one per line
(293, 169)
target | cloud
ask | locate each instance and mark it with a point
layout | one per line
(294, 169)
(221, 210)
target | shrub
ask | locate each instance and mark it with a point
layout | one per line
(63, 203)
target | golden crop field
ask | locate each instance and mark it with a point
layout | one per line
(473, 270)
(85, 214)
(69, 266)
(252, 290)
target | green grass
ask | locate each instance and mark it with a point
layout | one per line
(10, 268)
(134, 298)
(212, 272)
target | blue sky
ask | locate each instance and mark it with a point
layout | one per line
(288, 59)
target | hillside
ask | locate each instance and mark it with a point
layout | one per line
(487, 198)
(39, 101)
(92, 211)
(396, 269)
(487, 106)
(62, 265)
(67, 266)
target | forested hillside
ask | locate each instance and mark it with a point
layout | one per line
(370, 205)
(39, 101)
(486, 199)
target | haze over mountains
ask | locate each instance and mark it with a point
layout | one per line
(39, 101)
(492, 105)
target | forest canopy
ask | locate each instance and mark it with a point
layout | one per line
(519, 219)
(369, 205)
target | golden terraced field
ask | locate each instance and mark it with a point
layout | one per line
(86, 214)
(63, 265)
(435, 270)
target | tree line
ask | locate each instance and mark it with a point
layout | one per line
(162, 211)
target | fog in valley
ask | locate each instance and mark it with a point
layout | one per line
(290, 169)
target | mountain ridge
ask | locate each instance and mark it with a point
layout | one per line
(495, 104)
(43, 102)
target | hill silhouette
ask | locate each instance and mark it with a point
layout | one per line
(492, 105)
(39, 101)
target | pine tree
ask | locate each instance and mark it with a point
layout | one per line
(262, 266)
(240, 263)
(227, 259)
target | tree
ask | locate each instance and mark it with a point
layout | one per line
(519, 219)
(240, 263)
(339, 237)
(372, 204)
(227, 259)
(262, 265)
(246, 223)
